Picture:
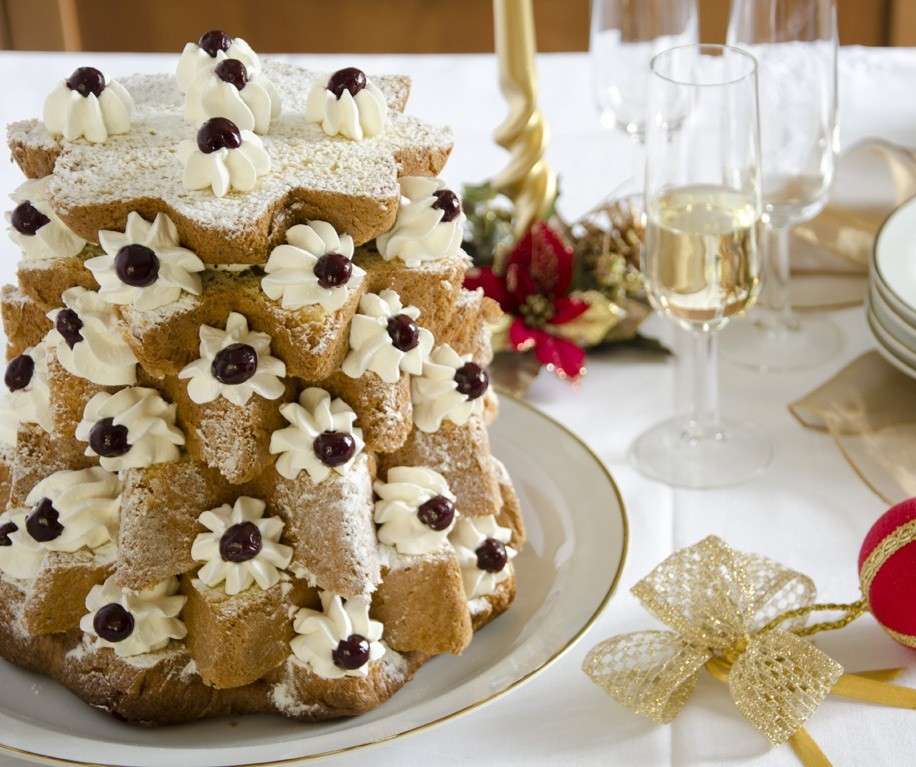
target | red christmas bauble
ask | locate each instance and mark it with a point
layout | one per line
(887, 571)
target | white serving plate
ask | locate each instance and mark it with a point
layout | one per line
(889, 348)
(894, 261)
(893, 323)
(577, 529)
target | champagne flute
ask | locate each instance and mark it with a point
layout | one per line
(700, 257)
(795, 44)
(625, 35)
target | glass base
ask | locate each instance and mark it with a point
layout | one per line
(679, 452)
(766, 342)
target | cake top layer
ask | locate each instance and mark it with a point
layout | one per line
(351, 184)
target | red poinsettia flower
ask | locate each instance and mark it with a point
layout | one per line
(534, 291)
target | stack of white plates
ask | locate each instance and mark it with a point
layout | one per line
(891, 304)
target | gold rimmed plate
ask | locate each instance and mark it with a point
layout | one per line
(578, 533)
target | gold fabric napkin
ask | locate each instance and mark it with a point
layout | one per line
(831, 253)
(869, 408)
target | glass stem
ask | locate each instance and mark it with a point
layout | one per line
(704, 409)
(780, 301)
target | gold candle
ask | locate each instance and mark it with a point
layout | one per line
(527, 179)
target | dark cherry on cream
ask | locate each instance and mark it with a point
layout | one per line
(218, 133)
(43, 523)
(232, 71)
(334, 448)
(351, 653)
(491, 555)
(19, 372)
(448, 202)
(86, 80)
(68, 324)
(240, 542)
(136, 265)
(437, 513)
(214, 41)
(471, 380)
(347, 79)
(333, 270)
(404, 333)
(113, 623)
(27, 219)
(7, 529)
(235, 364)
(108, 438)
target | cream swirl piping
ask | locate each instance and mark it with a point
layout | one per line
(194, 59)
(52, 240)
(420, 232)
(290, 269)
(85, 502)
(263, 568)
(321, 632)
(251, 108)
(203, 387)
(152, 436)
(69, 114)
(435, 394)
(153, 615)
(469, 534)
(225, 168)
(398, 509)
(354, 117)
(21, 558)
(100, 353)
(314, 414)
(371, 345)
(175, 268)
(29, 404)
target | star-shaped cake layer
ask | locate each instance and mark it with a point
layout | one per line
(351, 184)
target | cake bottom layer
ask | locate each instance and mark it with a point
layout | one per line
(164, 687)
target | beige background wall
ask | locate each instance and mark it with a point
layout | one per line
(360, 25)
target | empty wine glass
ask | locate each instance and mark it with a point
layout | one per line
(625, 35)
(795, 44)
(700, 257)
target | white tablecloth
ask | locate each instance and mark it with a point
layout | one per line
(809, 511)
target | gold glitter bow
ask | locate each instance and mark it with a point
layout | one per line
(740, 616)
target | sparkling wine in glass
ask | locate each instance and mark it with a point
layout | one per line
(795, 44)
(700, 258)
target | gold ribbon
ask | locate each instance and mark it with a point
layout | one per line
(742, 617)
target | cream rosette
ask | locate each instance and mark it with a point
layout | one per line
(41, 236)
(229, 90)
(348, 104)
(134, 622)
(481, 546)
(88, 340)
(242, 547)
(332, 641)
(436, 394)
(315, 414)
(292, 270)
(415, 509)
(27, 397)
(237, 166)
(429, 224)
(88, 105)
(20, 554)
(243, 355)
(134, 428)
(144, 265)
(75, 509)
(372, 345)
(212, 48)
